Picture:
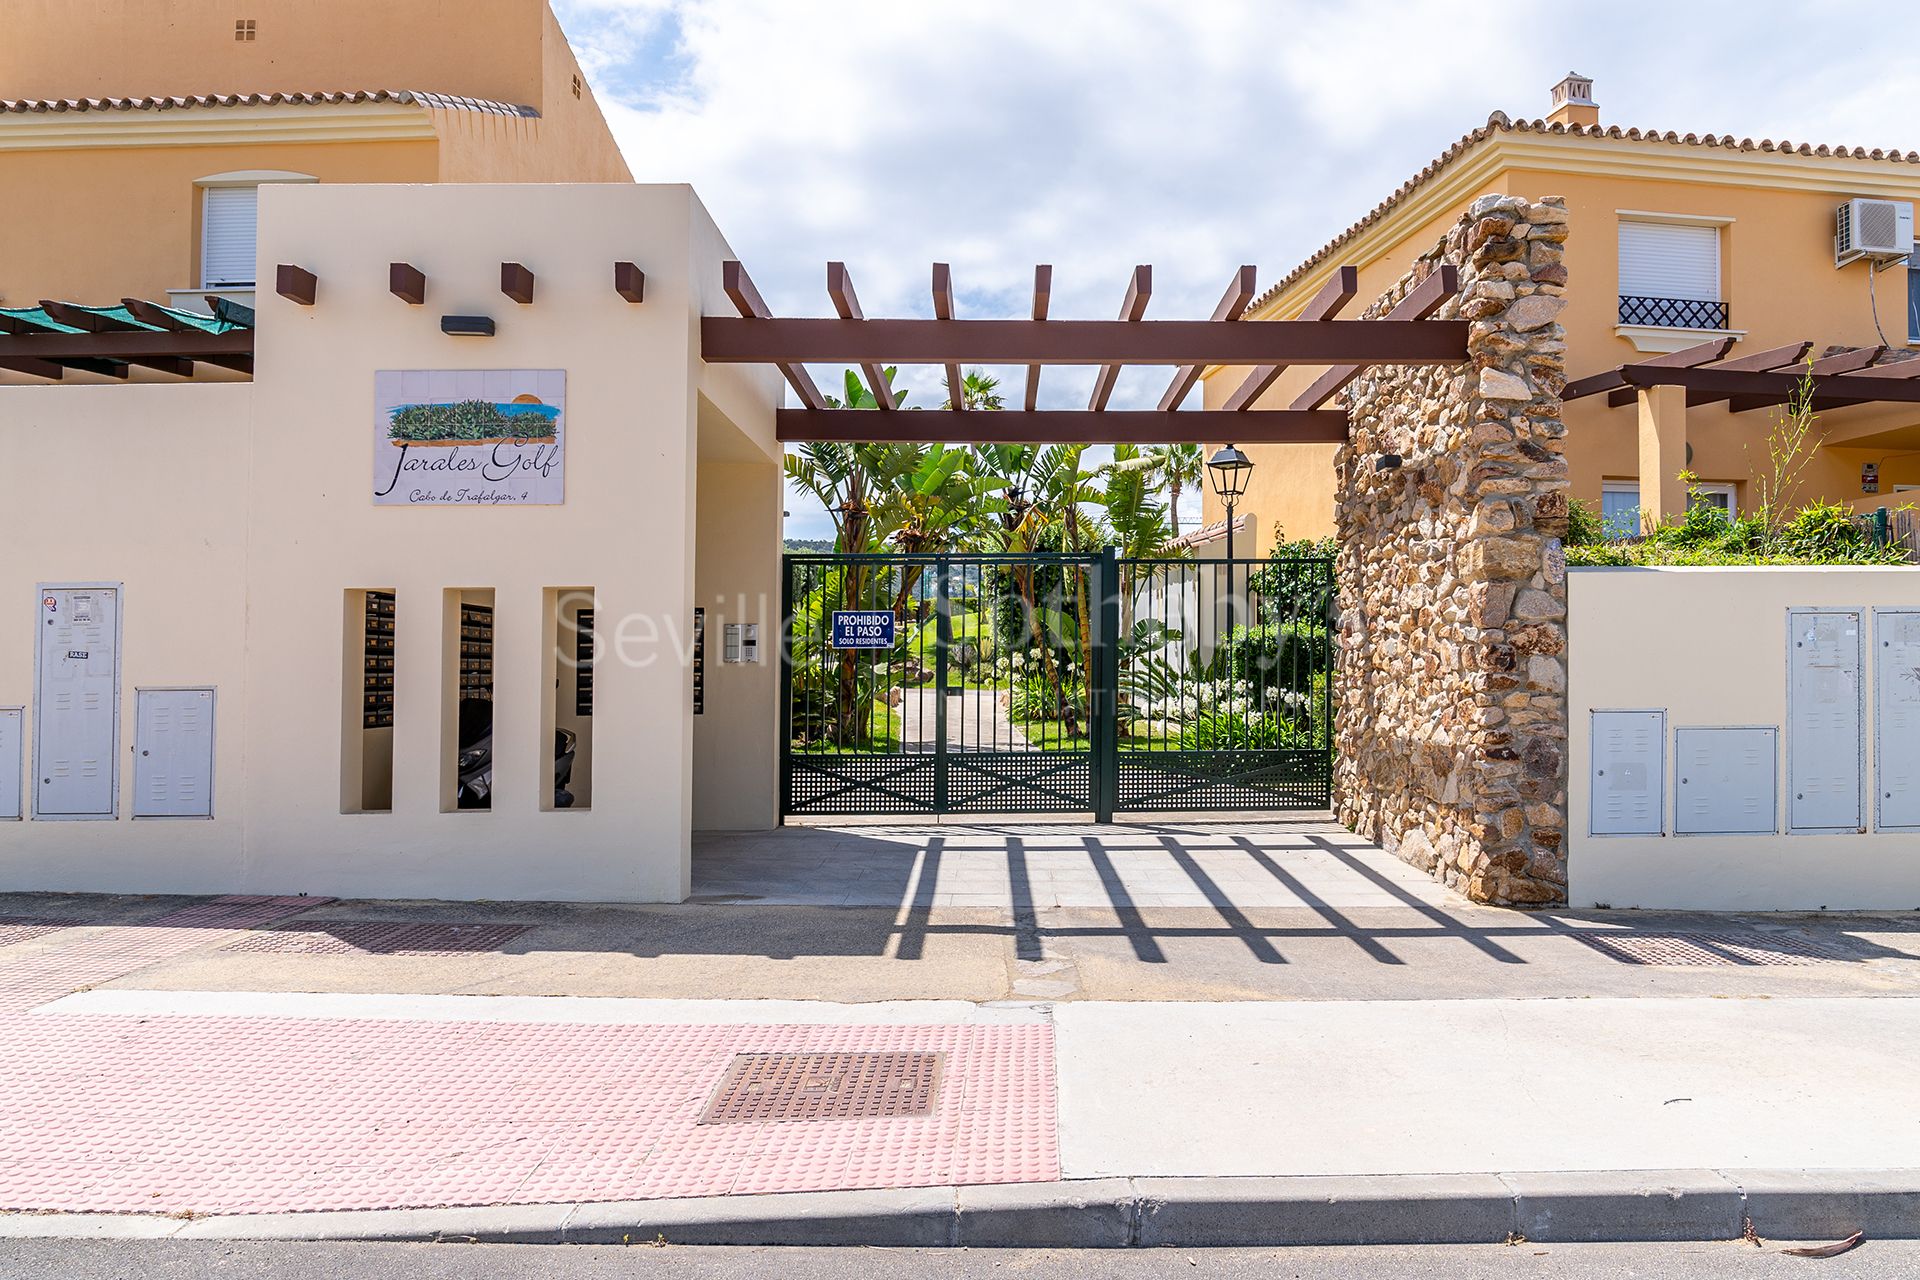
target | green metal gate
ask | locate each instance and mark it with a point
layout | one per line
(1054, 684)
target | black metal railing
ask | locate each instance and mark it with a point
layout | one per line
(1673, 313)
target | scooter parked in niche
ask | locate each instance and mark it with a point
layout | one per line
(476, 758)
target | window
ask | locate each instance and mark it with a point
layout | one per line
(576, 86)
(244, 30)
(227, 229)
(1913, 297)
(1670, 275)
(1717, 496)
(1620, 509)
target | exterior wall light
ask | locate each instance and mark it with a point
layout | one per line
(467, 326)
(1388, 462)
(1228, 469)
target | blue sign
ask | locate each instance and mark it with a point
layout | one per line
(863, 628)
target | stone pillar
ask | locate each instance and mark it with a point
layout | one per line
(1452, 723)
(1663, 453)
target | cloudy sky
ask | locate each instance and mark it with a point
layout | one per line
(1192, 134)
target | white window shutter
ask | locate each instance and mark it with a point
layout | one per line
(1669, 260)
(228, 224)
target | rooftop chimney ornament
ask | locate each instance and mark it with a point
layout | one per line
(1573, 101)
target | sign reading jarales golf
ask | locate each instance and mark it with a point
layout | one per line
(489, 437)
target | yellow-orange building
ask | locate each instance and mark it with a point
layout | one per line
(134, 136)
(1675, 239)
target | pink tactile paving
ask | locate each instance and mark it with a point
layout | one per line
(377, 937)
(25, 928)
(102, 957)
(241, 1115)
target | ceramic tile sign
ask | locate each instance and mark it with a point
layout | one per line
(469, 437)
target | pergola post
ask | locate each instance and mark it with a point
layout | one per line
(1663, 453)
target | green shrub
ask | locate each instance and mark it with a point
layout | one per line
(1284, 655)
(1818, 534)
(466, 420)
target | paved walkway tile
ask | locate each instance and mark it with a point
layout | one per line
(236, 1114)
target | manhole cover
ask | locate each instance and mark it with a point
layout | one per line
(377, 937)
(765, 1088)
(24, 928)
(1700, 950)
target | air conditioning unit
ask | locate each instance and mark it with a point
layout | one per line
(1876, 230)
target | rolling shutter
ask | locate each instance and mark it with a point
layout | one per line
(227, 237)
(1669, 260)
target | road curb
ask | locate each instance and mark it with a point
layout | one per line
(1550, 1207)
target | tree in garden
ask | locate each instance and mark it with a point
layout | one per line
(1138, 525)
(1176, 466)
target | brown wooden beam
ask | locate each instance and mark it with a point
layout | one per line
(1232, 305)
(1078, 426)
(1846, 361)
(407, 283)
(1324, 305)
(296, 284)
(847, 304)
(943, 310)
(1421, 301)
(1770, 359)
(753, 310)
(517, 283)
(1779, 387)
(1897, 369)
(93, 322)
(724, 340)
(148, 313)
(33, 368)
(1132, 307)
(1685, 358)
(136, 345)
(630, 282)
(1042, 296)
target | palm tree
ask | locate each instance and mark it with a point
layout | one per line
(1138, 524)
(977, 391)
(1177, 466)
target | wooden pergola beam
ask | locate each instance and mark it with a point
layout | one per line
(847, 303)
(943, 310)
(1232, 305)
(148, 313)
(296, 284)
(1421, 301)
(131, 345)
(407, 283)
(1046, 426)
(93, 322)
(1132, 308)
(1333, 296)
(1042, 297)
(753, 310)
(33, 368)
(725, 340)
(516, 281)
(1777, 388)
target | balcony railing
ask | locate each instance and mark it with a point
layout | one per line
(1673, 313)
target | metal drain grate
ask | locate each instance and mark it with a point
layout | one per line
(766, 1088)
(377, 937)
(25, 928)
(1702, 950)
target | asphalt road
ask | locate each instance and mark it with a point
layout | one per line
(173, 1260)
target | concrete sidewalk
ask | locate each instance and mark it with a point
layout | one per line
(1151, 1034)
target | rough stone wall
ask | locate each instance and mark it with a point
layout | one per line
(1453, 586)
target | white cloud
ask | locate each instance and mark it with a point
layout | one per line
(1192, 134)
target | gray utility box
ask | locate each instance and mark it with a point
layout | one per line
(1627, 789)
(1726, 781)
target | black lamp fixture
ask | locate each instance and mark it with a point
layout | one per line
(467, 326)
(1228, 470)
(1388, 462)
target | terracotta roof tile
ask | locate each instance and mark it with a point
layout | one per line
(435, 101)
(1498, 122)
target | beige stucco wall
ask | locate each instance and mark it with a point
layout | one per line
(104, 48)
(146, 487)
(1709, 647)
(124, 181)
(1777, 276)
(240, 517)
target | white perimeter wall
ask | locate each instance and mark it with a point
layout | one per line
(238, 516)
(1709, 646)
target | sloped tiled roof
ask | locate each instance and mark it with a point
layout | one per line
(436, 101)
(1498, 122)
